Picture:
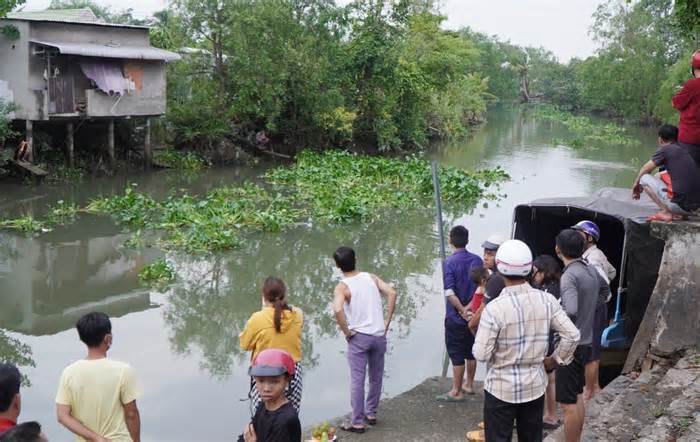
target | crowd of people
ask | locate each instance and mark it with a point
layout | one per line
(536, 325)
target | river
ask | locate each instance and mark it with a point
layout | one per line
(183, 343)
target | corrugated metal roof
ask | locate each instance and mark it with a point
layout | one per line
(111, 51)
(83, 16)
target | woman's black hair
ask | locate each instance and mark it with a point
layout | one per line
(550, 268)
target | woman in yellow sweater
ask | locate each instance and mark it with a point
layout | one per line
(277, 325)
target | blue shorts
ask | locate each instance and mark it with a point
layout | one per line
(459, 342)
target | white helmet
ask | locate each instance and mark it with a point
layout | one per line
(493, 242)
(514, 258)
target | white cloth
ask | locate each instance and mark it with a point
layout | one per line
(364, 312)
(595, 257)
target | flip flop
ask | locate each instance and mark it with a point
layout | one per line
(468, 391)
(447, 398)
(371, 420)
(352, 429)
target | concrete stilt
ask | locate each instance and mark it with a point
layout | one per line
(70, 154)
(147, 153)
(110, 144)
(30, 141)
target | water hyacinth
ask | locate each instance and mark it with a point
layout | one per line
(586, 132)
(342, 187)
(331, 186)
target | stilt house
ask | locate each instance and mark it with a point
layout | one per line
(65, 66)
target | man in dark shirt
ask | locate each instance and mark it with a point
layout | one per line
(459, 290)
(582, 289)
(495, 284)
(685, 178)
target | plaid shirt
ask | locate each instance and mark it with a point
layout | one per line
(512, 340)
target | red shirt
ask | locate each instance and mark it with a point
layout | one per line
(6, 424)
(687, 102)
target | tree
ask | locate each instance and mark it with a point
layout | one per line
(104, 13)
(9, 5)
(687, 13)
(639, 43)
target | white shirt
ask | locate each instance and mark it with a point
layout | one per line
(364, 312)
(595, 257)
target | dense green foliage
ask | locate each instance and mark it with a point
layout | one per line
(381, 75)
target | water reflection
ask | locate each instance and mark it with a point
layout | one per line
(47, 283)
(218, 295)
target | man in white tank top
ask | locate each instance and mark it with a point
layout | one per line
(357, 304)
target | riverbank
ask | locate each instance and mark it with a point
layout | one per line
(415, 415)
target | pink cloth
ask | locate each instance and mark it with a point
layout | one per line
(107, 75)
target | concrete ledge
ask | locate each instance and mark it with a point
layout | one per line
(671, 323)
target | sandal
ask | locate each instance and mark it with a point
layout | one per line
(550, 426)
(447, 398)
(371, 420)
(352, 429)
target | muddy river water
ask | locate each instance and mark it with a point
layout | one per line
(183, 343)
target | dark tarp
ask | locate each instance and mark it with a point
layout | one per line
(617, 214)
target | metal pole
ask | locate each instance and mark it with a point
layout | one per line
(441, 234)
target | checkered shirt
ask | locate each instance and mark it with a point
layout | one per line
(512, 340)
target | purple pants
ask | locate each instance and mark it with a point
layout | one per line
(365, 353)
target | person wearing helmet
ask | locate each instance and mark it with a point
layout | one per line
(357, 305)
(276, 420)
(687, 102)
(459, 291)
(582, 289)
(276, 325)
(512, 340)
(685, 179)
(594, 256)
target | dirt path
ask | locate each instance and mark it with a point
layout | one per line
(416, 416)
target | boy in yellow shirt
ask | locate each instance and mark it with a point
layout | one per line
(96, 397)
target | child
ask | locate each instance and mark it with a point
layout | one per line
(276, 420)
(276, 325)
(478, 275)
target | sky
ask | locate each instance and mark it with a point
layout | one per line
(558, 25)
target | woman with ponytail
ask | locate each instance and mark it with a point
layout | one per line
(277, 325)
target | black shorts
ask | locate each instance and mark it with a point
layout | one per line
(459, 342)
(570, 379)
(600, 322)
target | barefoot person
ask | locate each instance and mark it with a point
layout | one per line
(685, 178)
(96, 397)
(512, 340)
(459, 290)
(357, 304)
(276, 420)
(277, 325)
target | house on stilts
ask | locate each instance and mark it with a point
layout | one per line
(67, 67)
